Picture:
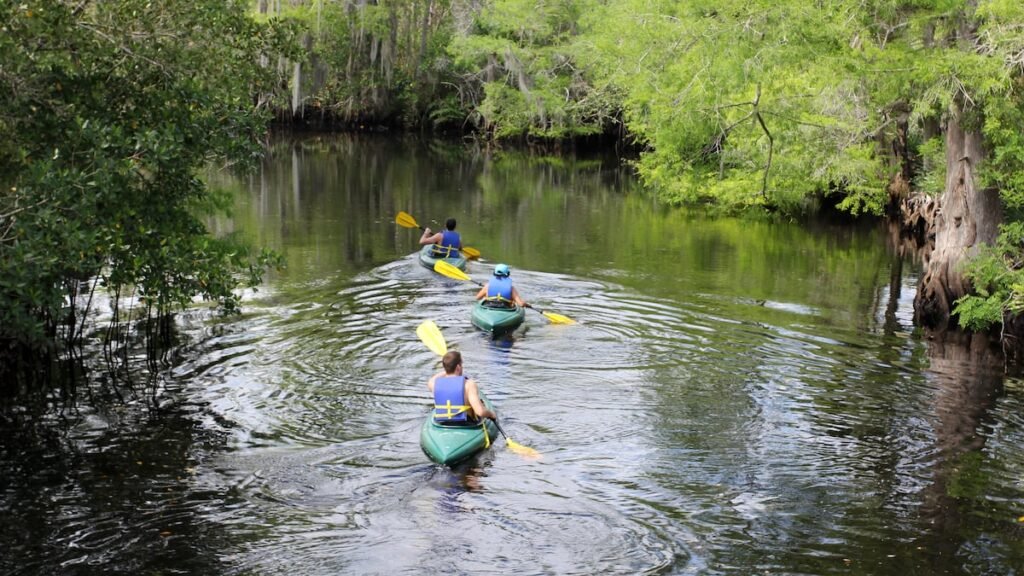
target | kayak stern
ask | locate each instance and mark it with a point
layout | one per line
(497, 320)
(428, 260)
(452, 444)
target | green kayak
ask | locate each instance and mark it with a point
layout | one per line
(497, 320)
(427, 258)
(453, 444)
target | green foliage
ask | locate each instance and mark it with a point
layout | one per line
(446, 111)
(1005, 170)
(979, 313)
(381, 62)
(110, 110)
(997, 276)
(521, 71)
(743, 103)
(932, 179)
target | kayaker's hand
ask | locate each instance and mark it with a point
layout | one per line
(426, 231)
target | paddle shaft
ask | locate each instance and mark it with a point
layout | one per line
(498, 426)
(537, 310)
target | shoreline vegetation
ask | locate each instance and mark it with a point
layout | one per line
(881, 108)
(898, 110)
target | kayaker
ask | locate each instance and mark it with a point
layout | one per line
(499, 291)
(456, 398)
(448, 241)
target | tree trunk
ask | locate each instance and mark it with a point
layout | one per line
(968, 217)
(297, 89)
(902, 160)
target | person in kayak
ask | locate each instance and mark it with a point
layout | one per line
(456, 398)
(499, 291)
(448, 241)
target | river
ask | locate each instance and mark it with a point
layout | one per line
(737, 396)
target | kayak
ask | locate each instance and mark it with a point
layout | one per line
(453, 444)
(497, 320)
(427, 258)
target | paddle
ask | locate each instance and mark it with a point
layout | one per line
(515, 446)
(405, 220)
(431, 335)
(555, 318)
(445, 269)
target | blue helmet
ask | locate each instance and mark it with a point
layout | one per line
(501, 270)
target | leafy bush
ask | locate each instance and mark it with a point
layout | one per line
(997, 276)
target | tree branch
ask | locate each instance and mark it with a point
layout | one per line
(768, 165)
(124, 48)
(5, 236)
(771, 143)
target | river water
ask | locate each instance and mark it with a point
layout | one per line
(737, 397)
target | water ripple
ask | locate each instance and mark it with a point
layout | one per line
(676, 437)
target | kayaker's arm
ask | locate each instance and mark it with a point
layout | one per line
(430, 238)
(482, 292)
(516, 298)
(473, 396)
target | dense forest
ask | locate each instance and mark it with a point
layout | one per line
(781, 107)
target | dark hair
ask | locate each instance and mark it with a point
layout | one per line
(450, 224)
(451, 361)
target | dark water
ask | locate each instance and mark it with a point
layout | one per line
(737, 398)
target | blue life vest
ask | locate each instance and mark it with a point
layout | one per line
(450, 400)
(499, 289)
(449, 246)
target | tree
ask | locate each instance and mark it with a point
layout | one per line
(519, 71)
(110, 110)
(379, 62)
(975, 270)
(743, 104)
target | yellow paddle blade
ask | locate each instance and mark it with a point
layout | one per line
(558, 318)
(405, 220)
(471, 253)
(445, 269)
(520, 449)
(515, 446)
(431, 335)
(554, 318)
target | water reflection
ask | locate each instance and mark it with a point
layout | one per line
(101, 488)
(499, 354)
(967, 373)
(453, 484)
(737, 397)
